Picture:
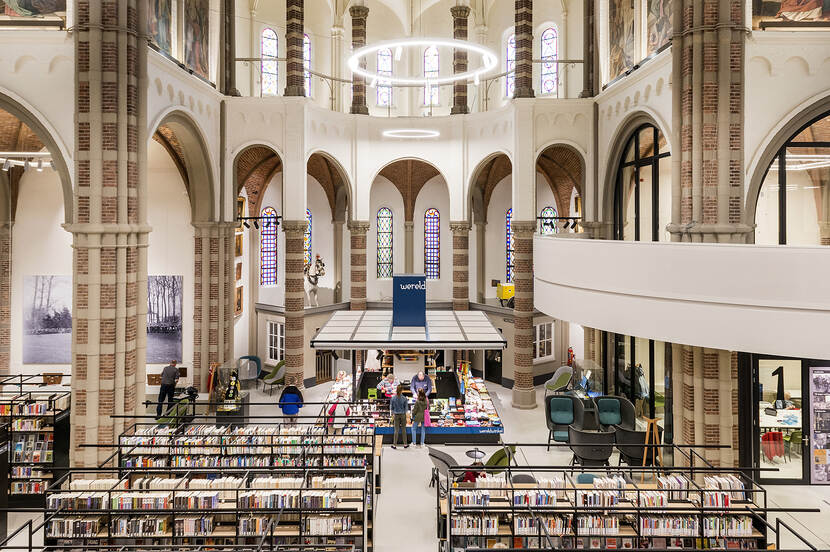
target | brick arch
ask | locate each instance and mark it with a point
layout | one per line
(254, 167)
(564, 170)
(331, 177)
(165, 136)
(486, 177)
(409, 176)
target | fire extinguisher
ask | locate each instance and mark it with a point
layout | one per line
(570, 356)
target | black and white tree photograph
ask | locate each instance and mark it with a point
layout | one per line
(47, 319)
(164, 319)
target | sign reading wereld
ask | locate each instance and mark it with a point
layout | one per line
(409, 300)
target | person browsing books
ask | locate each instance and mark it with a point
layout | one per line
(169, 377)
(421, 382)
(399, 406)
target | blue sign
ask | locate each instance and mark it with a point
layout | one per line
(409, 300)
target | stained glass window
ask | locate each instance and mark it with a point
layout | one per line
(384, 242)
(385, 69)
(548, 220)
(509, 245)
(268, 248)
(432, 244)
(307, 238)
(550, 69)
(307, 64)
(431, 70)
(510, 67)
(269, 49)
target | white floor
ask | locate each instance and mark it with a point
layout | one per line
(406, 509)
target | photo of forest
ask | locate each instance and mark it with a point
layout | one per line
(47, 319)
(164, 319)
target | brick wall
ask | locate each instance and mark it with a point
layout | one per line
(523, 394)
(358, 231)
(294, 75)
(294, 302)
(460, 265)
(459, 59)
(359, 15)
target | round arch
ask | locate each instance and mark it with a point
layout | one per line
(565, 159)
(793, 124)
(254, 165)
(47, 135)
(491, 170)
(183, 139)
(341, 188)
(409, 174)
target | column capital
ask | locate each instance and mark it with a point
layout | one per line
(99, 228)
(358, 226)
(460, 12)
(294, 225)
(359, 12)
(459, 226)
(523, 227)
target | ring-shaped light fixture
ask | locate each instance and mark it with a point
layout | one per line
(411, 133)
(489, 61)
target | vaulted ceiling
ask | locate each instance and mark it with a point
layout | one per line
(563, 170)
(409, 176)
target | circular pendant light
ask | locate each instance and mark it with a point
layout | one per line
(411, 133)
(489, 61)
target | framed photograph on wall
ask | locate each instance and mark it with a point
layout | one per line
(238, 301)
(238, 271)
(238, 245)
(240, 212)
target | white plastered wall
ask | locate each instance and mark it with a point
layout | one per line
(242, 323)
(495, 256)
(434, 194)
(322, 240)
(271, 295)
(384, 194)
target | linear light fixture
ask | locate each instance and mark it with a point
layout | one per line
(411, 133)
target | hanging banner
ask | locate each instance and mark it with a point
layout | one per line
(409, 300)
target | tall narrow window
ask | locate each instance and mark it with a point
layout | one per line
(384, 242)
(268, 51)
(276, 341)
(307, 64)
(510, 67)
(431, 70)
(509, 245)
(550, 69)
(307, 238)
(268, 248)
(384, 60)
(432, 244)
(547, 220)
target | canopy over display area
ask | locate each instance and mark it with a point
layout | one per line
(463, 330)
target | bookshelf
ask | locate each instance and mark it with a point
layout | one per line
(715, 510)
(37, 425)
(322, 506)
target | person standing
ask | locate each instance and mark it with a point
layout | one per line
(418, 411)
(169, 377)
(421, 382)
(399, 406)
(291, 401)
(388, 385)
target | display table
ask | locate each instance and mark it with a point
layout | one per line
(783, 420)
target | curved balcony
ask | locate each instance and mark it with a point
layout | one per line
(764, 299)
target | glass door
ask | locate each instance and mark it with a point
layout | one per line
(781, 420)
(819, 443)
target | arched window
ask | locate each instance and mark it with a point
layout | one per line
(432, 244)
(384, 60)
(307, 238)
(307, 64)
(268, 50)
(509, 245)
(548, 220)
(268, 248)
(431, 70)
(384, 242)
(510, 67)
(550, 69)
(642, 198)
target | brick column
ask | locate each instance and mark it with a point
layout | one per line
(460, 265)
(358, 231)
(481, 259)
(459, 59)
(227, 40)
(294, 74)
(109, 229)
(5, 296)
(707, 121)
(524, 396)
(359, 15)
(524, 49)
(213, 300)
(294, 302)
(706, 401)
(588, 49)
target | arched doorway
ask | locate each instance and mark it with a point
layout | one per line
(560, 182)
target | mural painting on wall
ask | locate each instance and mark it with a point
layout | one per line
(32, 8)
(621, 37)
(793, 11)
(164, 319)
(196, 36)
(659, 24)
(47, 319)
(160, 24)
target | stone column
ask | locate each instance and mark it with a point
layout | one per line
(359, 15)
(706, 401)
(337, 34)
(5, 296)
(524, 49)
(524, 396)
(707, 122)
(409, 246)
(358, 231)
(824, 223)
(227, 41)
(294, 302)
(337, 261)
(294, 74)
(213, 297)
(460, 265)
(481, 38)
(109, 229)
(588, 49)
(459, 59)
(481, 259)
